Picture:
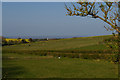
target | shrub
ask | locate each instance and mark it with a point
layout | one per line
(30, 39)
(24, 41)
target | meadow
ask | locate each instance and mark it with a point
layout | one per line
(60, 44)
(40, 59)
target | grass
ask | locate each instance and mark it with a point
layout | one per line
(49, 67)
(25, 65)
(92, 47)
(62, 44)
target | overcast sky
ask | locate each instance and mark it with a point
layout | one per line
(46, 19)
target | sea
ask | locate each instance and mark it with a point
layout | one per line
(50, 37)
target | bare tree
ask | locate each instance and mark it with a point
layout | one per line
(106, 11)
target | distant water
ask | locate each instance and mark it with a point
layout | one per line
(43, 37)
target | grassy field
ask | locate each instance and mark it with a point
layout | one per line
(31, 66)
(62, 44)
(19, 65)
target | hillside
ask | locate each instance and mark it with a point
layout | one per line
(62, 44)
(40, 59)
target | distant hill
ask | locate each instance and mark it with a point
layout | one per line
(79, 43)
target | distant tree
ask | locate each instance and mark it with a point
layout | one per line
(105, 11)
(24, 41)
(30, 39)
(4, 42)
(19, 40)
(11, 42)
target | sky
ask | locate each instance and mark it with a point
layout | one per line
(46, 19)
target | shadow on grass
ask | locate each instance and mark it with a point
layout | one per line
(10, 71)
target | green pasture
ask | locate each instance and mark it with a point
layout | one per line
(31, 66)
(61, 44)
(21, 61)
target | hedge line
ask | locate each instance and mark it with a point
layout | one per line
(59, 51)
(55, 53)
